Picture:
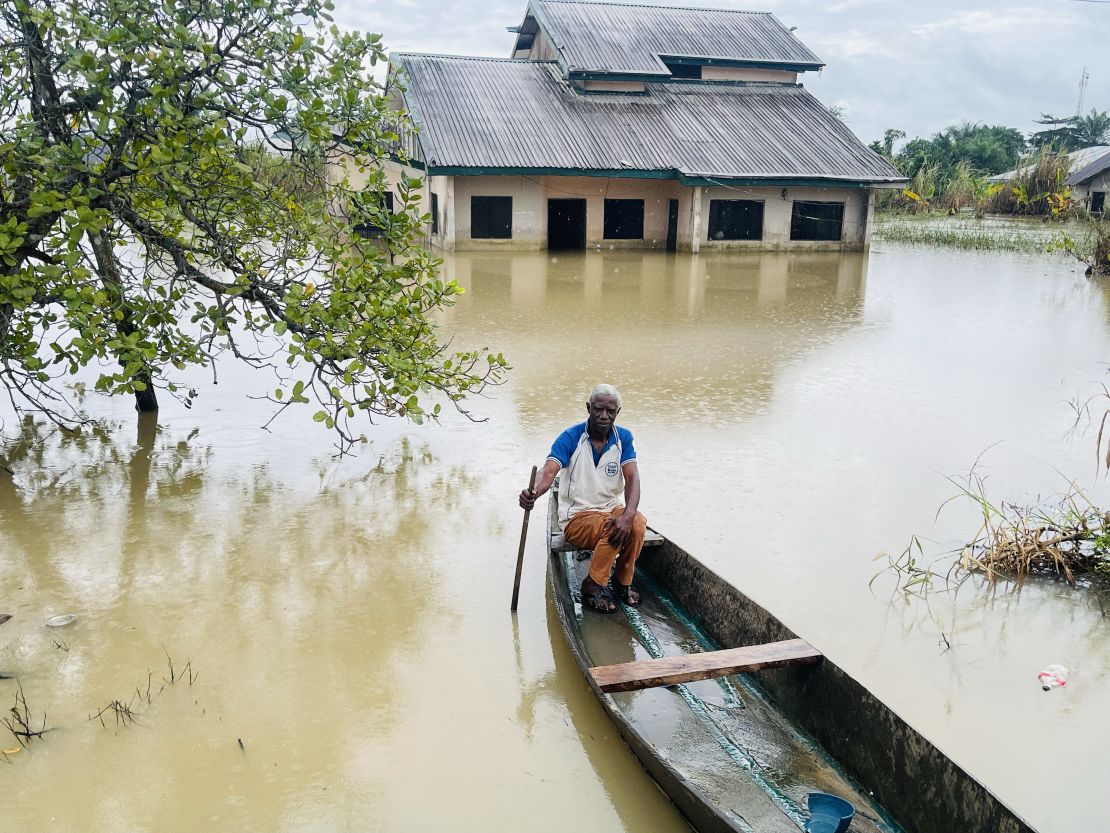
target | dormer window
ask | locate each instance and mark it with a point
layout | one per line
(682, 70)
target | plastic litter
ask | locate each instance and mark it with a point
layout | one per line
(1054, 676)
(828, 813)
(61, 620)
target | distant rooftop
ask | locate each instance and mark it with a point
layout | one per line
(614, 38)
(1077, 161)
(1097, 165)
(481, 115)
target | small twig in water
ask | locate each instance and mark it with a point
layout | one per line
(19, 720)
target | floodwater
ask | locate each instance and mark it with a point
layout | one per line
(345, 623)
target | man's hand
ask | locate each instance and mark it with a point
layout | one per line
(528, 498)
(618, 529)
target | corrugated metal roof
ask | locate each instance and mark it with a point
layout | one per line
(617, 38)
(1102, 163)
(493, 113)
(1077, 161)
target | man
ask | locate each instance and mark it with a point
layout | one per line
(598, 496)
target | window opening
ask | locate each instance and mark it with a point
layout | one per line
(816, 220)
(735, 220)
(370, 229)
(491, 218)
(435, 213)
(624, 219)
(679, 70)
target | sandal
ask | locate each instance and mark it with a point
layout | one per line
(600, 599)
(627, 595)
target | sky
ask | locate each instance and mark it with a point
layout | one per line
(915, 65)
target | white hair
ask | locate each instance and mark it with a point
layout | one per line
(604, 390)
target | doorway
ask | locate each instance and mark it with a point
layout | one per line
(672, 226)
(566, 224)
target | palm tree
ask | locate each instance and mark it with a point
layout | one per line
(1073, 132)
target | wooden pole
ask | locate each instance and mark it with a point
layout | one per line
(523, 538)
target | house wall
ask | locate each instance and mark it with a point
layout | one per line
(710, 73)
(530, 196)
(778, 206)
(1082, 193)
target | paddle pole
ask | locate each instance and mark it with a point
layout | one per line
(523, 537)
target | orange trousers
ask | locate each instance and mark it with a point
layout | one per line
(586, 530)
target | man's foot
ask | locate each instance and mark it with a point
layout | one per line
(596, 597)
(626, 594)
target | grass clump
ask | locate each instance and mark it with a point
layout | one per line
(967, 232)
(1068, 539)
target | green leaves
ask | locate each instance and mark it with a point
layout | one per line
(181, 211)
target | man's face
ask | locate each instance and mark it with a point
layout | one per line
(603, 411)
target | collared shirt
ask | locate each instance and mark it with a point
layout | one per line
(567, 442)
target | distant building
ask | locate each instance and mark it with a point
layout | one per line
(1091, 182)
(626, 126)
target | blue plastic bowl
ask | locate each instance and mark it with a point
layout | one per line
(828, 813)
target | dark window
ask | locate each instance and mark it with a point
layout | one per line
(735, 220)
(1098, 202)
(816, 220)
(370, 228)
(682, 70)
(624, 219)
(491, 218)
(435, 213)
(525, 40)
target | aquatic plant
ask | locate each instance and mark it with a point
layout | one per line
(1068, 538)
(20, 721)
(1091, 248)
(965, 232)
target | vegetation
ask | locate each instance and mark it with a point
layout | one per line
(1073, 132)
(952, 170)
(966, 232)
(1068, 539)
(151, 218)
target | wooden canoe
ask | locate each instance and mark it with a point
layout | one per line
(740, 751)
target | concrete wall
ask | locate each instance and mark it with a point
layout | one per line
(530, 195)
(778, 206)
(1082, 193)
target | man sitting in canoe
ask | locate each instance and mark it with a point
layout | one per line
(598, 496)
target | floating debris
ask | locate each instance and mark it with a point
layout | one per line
(61, 620)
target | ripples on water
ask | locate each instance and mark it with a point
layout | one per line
(796, 416)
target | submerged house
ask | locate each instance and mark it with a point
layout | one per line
(1090, 183)
(635, 126)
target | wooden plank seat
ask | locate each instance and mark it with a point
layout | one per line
(559, 543)
(648, 673)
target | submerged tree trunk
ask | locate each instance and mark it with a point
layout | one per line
(146, 400)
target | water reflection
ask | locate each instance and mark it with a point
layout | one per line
(293, 612)
(795, 415)
(713, 330)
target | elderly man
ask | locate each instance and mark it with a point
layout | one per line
(598, 496)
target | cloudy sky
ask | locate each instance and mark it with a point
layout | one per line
(916, 65)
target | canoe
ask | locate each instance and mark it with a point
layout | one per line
(741, 752)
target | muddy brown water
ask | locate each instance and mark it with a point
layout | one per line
(347, 620)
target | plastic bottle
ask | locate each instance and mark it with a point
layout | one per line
(1054, 676)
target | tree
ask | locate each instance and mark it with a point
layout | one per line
(988, 149)
(1073, 132)
(138, 233)
(885, 146)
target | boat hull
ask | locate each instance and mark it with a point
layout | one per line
(915, 786)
